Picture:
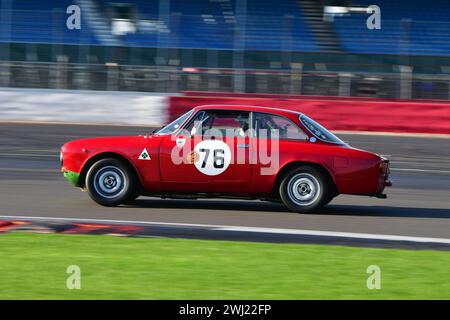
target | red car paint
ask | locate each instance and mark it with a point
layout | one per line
(353, 171)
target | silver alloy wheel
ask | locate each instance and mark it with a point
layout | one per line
(303, 189)
(109, 182)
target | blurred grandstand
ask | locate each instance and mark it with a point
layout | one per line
(256, 46)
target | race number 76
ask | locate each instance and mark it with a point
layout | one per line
(214, 157)
(218, 157)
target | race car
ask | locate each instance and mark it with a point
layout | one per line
(214, 151)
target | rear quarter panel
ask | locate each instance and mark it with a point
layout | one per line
(353, 171)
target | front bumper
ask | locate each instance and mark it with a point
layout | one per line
(71, 176)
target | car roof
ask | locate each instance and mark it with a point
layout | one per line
(248, 108)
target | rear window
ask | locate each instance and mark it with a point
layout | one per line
(318, 131)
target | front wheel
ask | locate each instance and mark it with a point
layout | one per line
(304, 189)
(109, 182)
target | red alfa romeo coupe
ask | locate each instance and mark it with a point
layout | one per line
(227, 151)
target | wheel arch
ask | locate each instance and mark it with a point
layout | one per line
(295, 164)
(105, 155)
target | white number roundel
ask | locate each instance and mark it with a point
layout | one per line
(214, 157)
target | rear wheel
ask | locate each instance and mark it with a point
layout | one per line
(305, 189)
(133, 197)
(110, 182)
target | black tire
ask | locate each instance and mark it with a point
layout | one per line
(305, 189)
(133, 197)
(110, 182)
(328, 200)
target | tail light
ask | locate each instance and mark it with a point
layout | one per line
(384, 170)
(384, 166)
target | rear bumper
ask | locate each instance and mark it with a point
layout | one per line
(385, 172)
(384, 180)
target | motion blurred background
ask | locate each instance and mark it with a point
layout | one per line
(254, 46)
(89, 64)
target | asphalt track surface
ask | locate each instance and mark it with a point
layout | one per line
(418, 204)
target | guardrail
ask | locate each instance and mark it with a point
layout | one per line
(298, 81)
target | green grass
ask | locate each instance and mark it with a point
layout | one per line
(33, 266)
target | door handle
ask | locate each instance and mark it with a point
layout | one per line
(242, 145)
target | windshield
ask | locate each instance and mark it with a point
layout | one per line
(174, 125)
(318, 131)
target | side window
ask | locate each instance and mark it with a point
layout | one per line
(228, 123)
(268, 125)
(173, 126)
(196, 123)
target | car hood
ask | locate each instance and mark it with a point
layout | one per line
(106, 142)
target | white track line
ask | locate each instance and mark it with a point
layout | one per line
(339, 234)
(30, 170)
(44, 155)
(420, 170)
(368, 236)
